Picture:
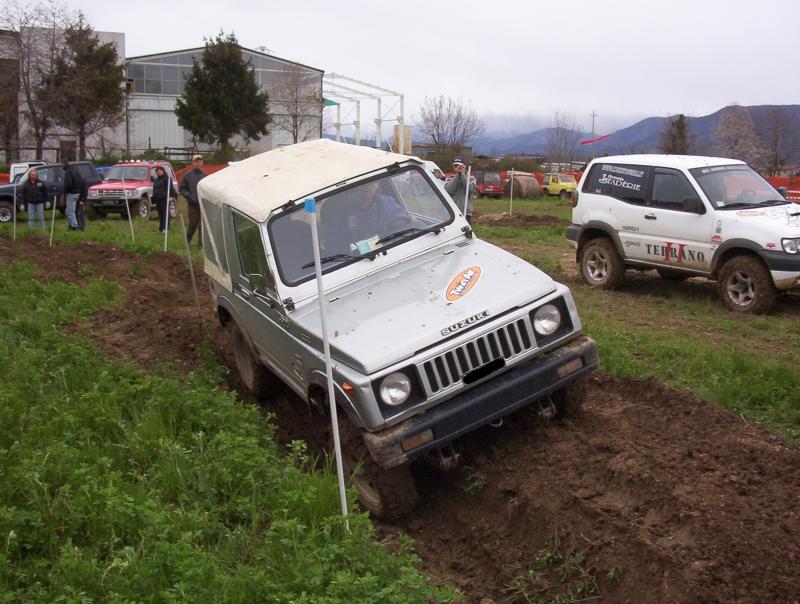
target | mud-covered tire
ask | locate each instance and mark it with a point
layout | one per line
(564, 195)
(385, 493)
(601, 265)
(6, 212)
(569, 400)
(672, 275)
(746, 286)
(143, 208)
(259, 380)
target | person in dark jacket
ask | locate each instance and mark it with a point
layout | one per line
(34, 196)
(457, 188)
(163, 189)
(73, 189)
(188, 189)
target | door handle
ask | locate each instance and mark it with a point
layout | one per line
(245, 293)
(650, 217)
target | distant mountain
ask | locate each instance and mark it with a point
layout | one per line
(642, 137)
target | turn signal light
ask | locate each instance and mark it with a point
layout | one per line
(418, 439)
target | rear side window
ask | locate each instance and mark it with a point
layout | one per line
(623, 182)
(86, 171)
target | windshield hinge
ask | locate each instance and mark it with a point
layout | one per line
(288, 204)
(467, 230)
(288, 304)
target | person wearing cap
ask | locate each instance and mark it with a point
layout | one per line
(188, 189)
(457, 188)
(163, 189)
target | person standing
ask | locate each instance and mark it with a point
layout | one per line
(34, 196)
(73, 190)
(188, 189)
(163, 190)
(457, 188)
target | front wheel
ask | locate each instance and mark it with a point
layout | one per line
(746, 286)
(143, 208)
(6, 212)
(385, 493)
(601, 265)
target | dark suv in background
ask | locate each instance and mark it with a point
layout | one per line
(52, 175)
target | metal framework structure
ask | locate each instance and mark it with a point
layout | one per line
(342, 89)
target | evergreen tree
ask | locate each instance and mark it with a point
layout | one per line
(675, 139)
(221, 97)
(86, 92)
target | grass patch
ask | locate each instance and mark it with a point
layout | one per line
(117, 486)
(544, 206)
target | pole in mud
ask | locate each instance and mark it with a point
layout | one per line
(14, 215)
(189, 259)
(311, 211)
(169, 174)
(53, 220)
(511, 199)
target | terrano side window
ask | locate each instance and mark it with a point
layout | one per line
(624, 182)
(671, 189)
(252, 257)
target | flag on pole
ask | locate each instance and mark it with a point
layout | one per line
(590, 141)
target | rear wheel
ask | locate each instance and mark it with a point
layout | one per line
(386, 493)
(257, 379)
(564, 194)
(601, 265)
(545, 192)
(745, 285)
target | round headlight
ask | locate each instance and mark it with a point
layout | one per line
(395, 389)
(546, 320)
(790, 246)
(92, 192)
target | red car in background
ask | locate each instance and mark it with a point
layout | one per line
(128, 183)
(488, 184)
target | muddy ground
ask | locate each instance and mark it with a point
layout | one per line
(649, 495)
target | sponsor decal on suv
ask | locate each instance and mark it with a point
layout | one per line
(462, 283)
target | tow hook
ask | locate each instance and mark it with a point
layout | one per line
(444, 458)
(548, 409)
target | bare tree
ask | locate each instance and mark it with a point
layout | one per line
(39, 29)
(779, 133)
(449, 123)
(736, 137)
(295, 103)
(562, 137)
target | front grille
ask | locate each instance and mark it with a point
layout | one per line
(449, 368)
(110, 193)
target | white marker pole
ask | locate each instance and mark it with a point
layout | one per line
(511, 199)
(127, 207)
(311, 210)
(53, 221)
(466, 191)
(14, 214)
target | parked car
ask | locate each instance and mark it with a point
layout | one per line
(433, 332)
(52, 175)
(562, 185)
(488, 184)
(17, 169)
(128, 183)
(687, 216)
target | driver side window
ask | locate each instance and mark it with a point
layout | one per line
(252, 257)
(671, 189)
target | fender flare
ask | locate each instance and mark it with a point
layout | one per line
(742, 244)
(607, 229)
(318, 378)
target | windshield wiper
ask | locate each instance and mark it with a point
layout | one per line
(775, 202)
(331, 258)
(412, 230)
(740, 204)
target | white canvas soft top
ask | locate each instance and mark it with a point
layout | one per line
(258, 185)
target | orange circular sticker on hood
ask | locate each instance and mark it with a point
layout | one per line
(462, 283)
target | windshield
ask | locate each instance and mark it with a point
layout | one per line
(567, 178)
(491, 177)
(735, 186)
(18, 177)
(358, 221)
(127, 173)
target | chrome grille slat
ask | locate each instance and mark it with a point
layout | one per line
(448, 368)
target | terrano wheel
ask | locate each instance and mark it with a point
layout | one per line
(601, 265)
(257, 379)
(745, 285)
(386, 493)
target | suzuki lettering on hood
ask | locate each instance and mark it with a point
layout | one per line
(465, 323)
(462, 283)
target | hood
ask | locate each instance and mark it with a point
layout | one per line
(117, 184)
(391, 315)
(771, 222)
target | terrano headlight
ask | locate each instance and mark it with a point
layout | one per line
(790, 246)
(395, 389)
(546, 320)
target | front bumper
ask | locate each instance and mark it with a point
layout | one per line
(110, 203)
(483, 404)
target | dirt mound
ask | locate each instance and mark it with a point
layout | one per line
(649, 495)
(518, 220)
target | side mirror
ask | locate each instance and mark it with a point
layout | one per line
(782, 191)
(257, 283)
(693, 205)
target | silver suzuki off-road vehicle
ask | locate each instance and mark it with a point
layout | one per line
(433, 332)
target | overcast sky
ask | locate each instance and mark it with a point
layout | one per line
(625, 59)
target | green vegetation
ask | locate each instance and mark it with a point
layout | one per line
(677, 332)
(124, 487)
